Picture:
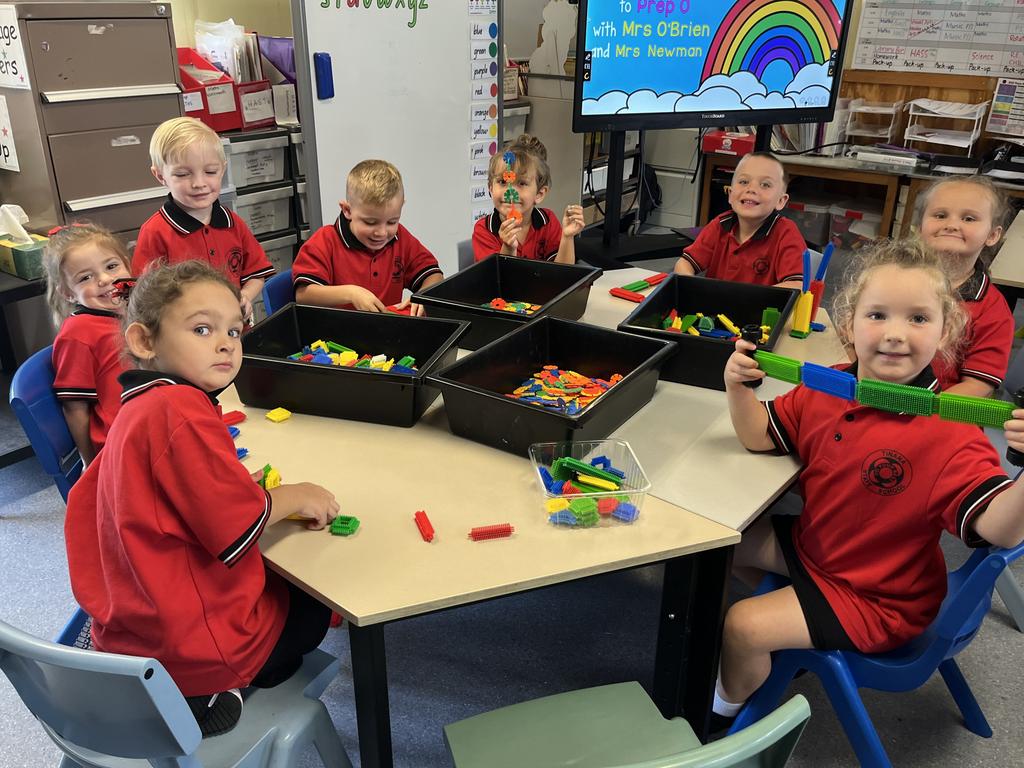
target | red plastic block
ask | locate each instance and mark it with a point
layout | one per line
(484, 532)
(423, 523)
(394, 309)
(655, 279)
(233, 417)
(817, 288)
(607, 505)
(622, 293)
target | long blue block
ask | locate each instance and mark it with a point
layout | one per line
(830, 381)
(233, 431)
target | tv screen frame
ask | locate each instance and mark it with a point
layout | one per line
(583, 123)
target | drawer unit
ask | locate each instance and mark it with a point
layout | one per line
(95, 163)
(260, 158)
(266, 210)
(280, 249)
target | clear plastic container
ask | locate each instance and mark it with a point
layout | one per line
(633, 490)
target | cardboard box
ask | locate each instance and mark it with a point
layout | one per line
(727, 143)
(23, 260)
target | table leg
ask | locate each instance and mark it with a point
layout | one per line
(370, 681)
(689, 635)
(7, 362)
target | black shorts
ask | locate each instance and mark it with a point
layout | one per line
(827, 634)
(304, 629)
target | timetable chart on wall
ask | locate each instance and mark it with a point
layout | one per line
(984, 38)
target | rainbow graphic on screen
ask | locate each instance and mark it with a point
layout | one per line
(757, 34)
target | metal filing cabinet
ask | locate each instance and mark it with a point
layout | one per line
(103, 76)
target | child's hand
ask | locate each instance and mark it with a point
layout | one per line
(1014, 430)
(740, 367)
(572, 221)
(316, 504)
(247, 313)
(360, 298)
(509, 233)
(415, 310)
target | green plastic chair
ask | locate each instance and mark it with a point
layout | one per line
(615, 726)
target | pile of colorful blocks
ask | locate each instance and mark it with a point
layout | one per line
(562, 391)
(322, 352)
(517, 307)
(569, 477)
(699, 324)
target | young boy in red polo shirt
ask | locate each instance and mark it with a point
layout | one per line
(754, 242)
(366, 258)
(188, 159)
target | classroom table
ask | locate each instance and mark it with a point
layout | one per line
(13, 289)
(386, 572)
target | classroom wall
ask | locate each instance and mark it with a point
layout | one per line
(268, 17)
(522, 20)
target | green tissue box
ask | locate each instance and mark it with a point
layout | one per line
(23, 260)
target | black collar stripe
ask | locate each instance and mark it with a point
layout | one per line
(729, 219)
(311, 279)
(349, 240)
(186, 224)
(493, 222)
(976, 286)
(138, 389)
(137, 381)
(80, 310)
(265, 272)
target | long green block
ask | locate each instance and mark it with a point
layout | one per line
(778, 367)
(974, 410)
(639, 285)
(569, 464)
(896, 398)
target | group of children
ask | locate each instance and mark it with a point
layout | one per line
(162, 576)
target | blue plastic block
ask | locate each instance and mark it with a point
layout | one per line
(401, 369)
(234, 432)
(562, 517)
(241, 452)
(717, 333)
(626, 512)
(830, 381)
(819, 327)
(617, 472)
(321, 359)
(545, 477)
(601, 461)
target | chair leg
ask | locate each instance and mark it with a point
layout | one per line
(1013, 596)
(327, 741)
(842, 692)
(974, 718)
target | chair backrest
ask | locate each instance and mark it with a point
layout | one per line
(37, 408)
(768, 743)
(278, 291)
(465, 252)
(119, 706)
(1015, 373)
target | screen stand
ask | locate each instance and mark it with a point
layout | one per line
(604, 246)
(763, 139)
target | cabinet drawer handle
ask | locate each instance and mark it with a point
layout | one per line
(117, 92)
(117, 198)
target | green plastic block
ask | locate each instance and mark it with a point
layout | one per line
(639, 285)
(588, 488)
(363, 363)
(688, 322)
(582, 506)
(587, 518)
(770, 316)
(344, 525)
(575, 465)
(408, 361)
(778, 367)
(338, 348)
(706, 324)
(897, 398)
(974, 410)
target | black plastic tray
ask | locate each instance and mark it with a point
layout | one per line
(474, 387)
(562, 290)
(267, 379)
(699, 360)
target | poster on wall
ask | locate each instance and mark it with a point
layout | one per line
(8, 152)
(13, 71)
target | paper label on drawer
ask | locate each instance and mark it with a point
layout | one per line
(260, 217)
(125, 141)
(193, 102)
(220, 98)
(262, 162)
(257, 106)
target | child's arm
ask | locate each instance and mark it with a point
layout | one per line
(417, 309)
(698, 254)
(306, 500)
(684, 267)
(749, 417)
(250, 291)
(798, 284)
(572, 225)
(1002, 524)
(508, 233)
(969, 385)
(337, 295)
(76, 414)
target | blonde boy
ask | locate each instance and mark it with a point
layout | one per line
(366, 258)
(188, 159)
(754, 242)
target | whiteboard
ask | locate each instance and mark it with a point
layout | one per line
(978, 38)
(407, 83)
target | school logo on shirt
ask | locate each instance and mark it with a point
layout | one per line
(235, 260)
(398, 271)
(886, 472)
(761, 267)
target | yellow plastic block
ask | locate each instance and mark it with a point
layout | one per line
(598, 482)
(278, 415)
(388, 364)
(335, 358)
(556, 505)
(693, 331)
(348, 357)
(320, 344)
(271, 479)
(678, 323)
(729, 325)
(802, 313)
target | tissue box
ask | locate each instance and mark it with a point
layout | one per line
(24, 260)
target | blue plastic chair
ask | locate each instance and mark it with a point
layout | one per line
(42, 418)
(841, 673)
(278, 291)
(105, 710)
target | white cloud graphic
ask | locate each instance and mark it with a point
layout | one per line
(812, 96)
(607, 104)
(711, 100)
(812, 74)
(773, 100)
(649, 101)
(744, 83)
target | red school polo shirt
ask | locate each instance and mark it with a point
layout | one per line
(87, 361)
(334, 256)
(879, 488)
(773, 254)
(173, 235)
(542, 241)
(161, 535)
(989, 335)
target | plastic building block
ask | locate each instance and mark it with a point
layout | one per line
(606, 506)
(705, 323)
(241, 453)
(687, 322)
(556, 505)
(830, 381)
(562, 517)
(423, 523)
(485, 532)
(716, 333)
(626, 512)
(344, 525)
(818, 327)
(277, 415)
(602, 462)
(271, 478)
(322, 358)
(778, 367)
(770, 316)
(729, 325)
(582, 505)
(802, 316)
(569, 464)
(545, 477)
(586, 518)
(655, 279)
(407, 362)
(338, 348)
(597, 482)
(234, 432)
(321, 345)
(627, 295)
(233, 417)
(639, 285)
(974, 410)
(897, 398)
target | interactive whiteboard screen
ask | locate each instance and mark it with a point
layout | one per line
(687, 63)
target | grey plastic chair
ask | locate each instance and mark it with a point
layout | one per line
(615, 726)
(110, 711)
(465, 251)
